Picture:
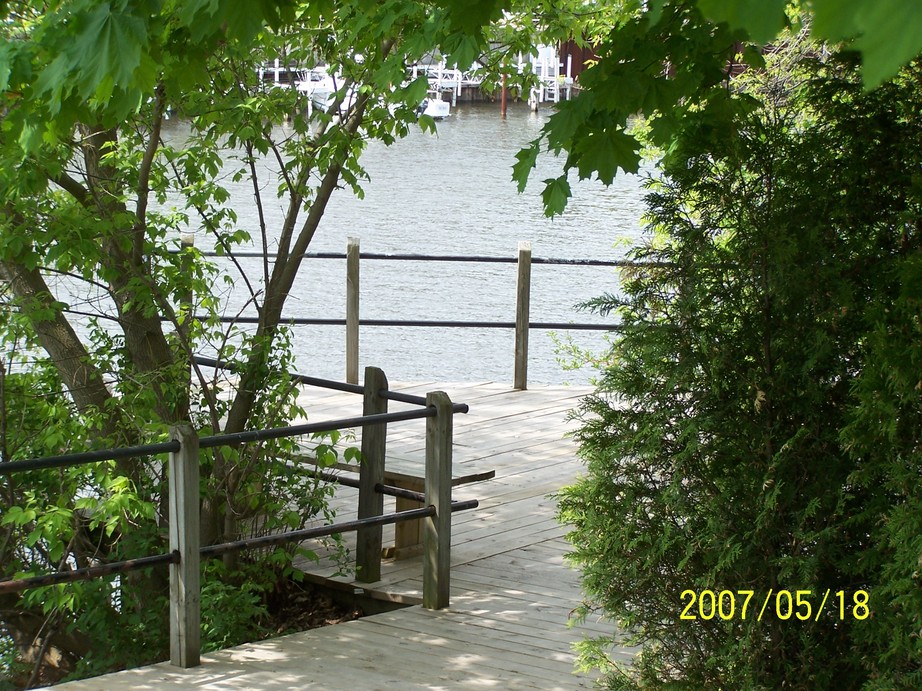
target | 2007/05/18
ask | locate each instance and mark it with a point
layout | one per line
(722, 604)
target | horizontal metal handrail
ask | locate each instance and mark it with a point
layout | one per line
(403, 397)
(320, 321)
(380, 488)
(220, 440)
(73, 459)
(474, 259)
(328, 383)
(332, 529)
(314, 427)
(14, 585)
(322, 383)
(300, 378)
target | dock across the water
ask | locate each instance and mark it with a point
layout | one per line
(511, 592)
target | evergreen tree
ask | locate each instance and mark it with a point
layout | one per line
(757, 425)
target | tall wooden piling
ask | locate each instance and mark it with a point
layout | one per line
(185, 577)
(371, 473)
(522, 310)
(437, 529)
(352, 311)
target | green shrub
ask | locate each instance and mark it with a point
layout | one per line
(757, 424)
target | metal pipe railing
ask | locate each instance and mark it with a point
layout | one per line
(183, 472)
(522, 324)
(423, 323)
(476, 259)
(88, 573)
(300, 378)
(218, 440)
(323, 383)
(68, 460)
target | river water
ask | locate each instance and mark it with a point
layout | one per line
(452, 193)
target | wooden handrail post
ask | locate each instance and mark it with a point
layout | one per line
(352, 311)
(371, 473)
(522, 308)
(437, 529)
(185, 578)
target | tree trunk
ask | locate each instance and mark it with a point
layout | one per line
(66, 350)
(44, 645)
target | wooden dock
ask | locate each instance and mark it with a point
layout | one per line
(511, 593)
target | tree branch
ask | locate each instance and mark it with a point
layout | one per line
(257, 195)
(211, 228)
(74, 188)
(283, 275)
(144, 173)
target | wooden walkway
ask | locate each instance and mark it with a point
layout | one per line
(507, 627)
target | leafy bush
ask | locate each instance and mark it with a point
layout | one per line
(60, 519)
(231, 607)
(757, 424)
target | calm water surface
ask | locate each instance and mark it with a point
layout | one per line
(453, 194)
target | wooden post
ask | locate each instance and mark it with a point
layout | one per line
(185, 592)
(437, 529)
(352, 311)
(522, 306)
(502, 99)
(408, 541)
(371, 472)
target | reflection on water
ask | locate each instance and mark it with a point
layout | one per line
(453, 194)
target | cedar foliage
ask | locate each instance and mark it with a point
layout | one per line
(758, 423)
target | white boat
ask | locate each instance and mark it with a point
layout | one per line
(434, 107)
(322, 86)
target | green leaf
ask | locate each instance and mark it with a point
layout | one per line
(891, 36)
(606, 152)
(245, 19)
(888, 32)
(6, 64)
(753, 57)
(106, 51)
(470, 16)
(18, 516)
(194, 14)
(416, 90)
(427, 123)
(463, 49)
(526, 160)
(33, 537)
(563, 125)
(762, 19)
(555, 195)
(835, 20)
(655, 10)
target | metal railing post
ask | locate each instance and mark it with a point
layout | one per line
(185, 586)
(371, 473)
(437, 529)
(522, 309)
(352, 311)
